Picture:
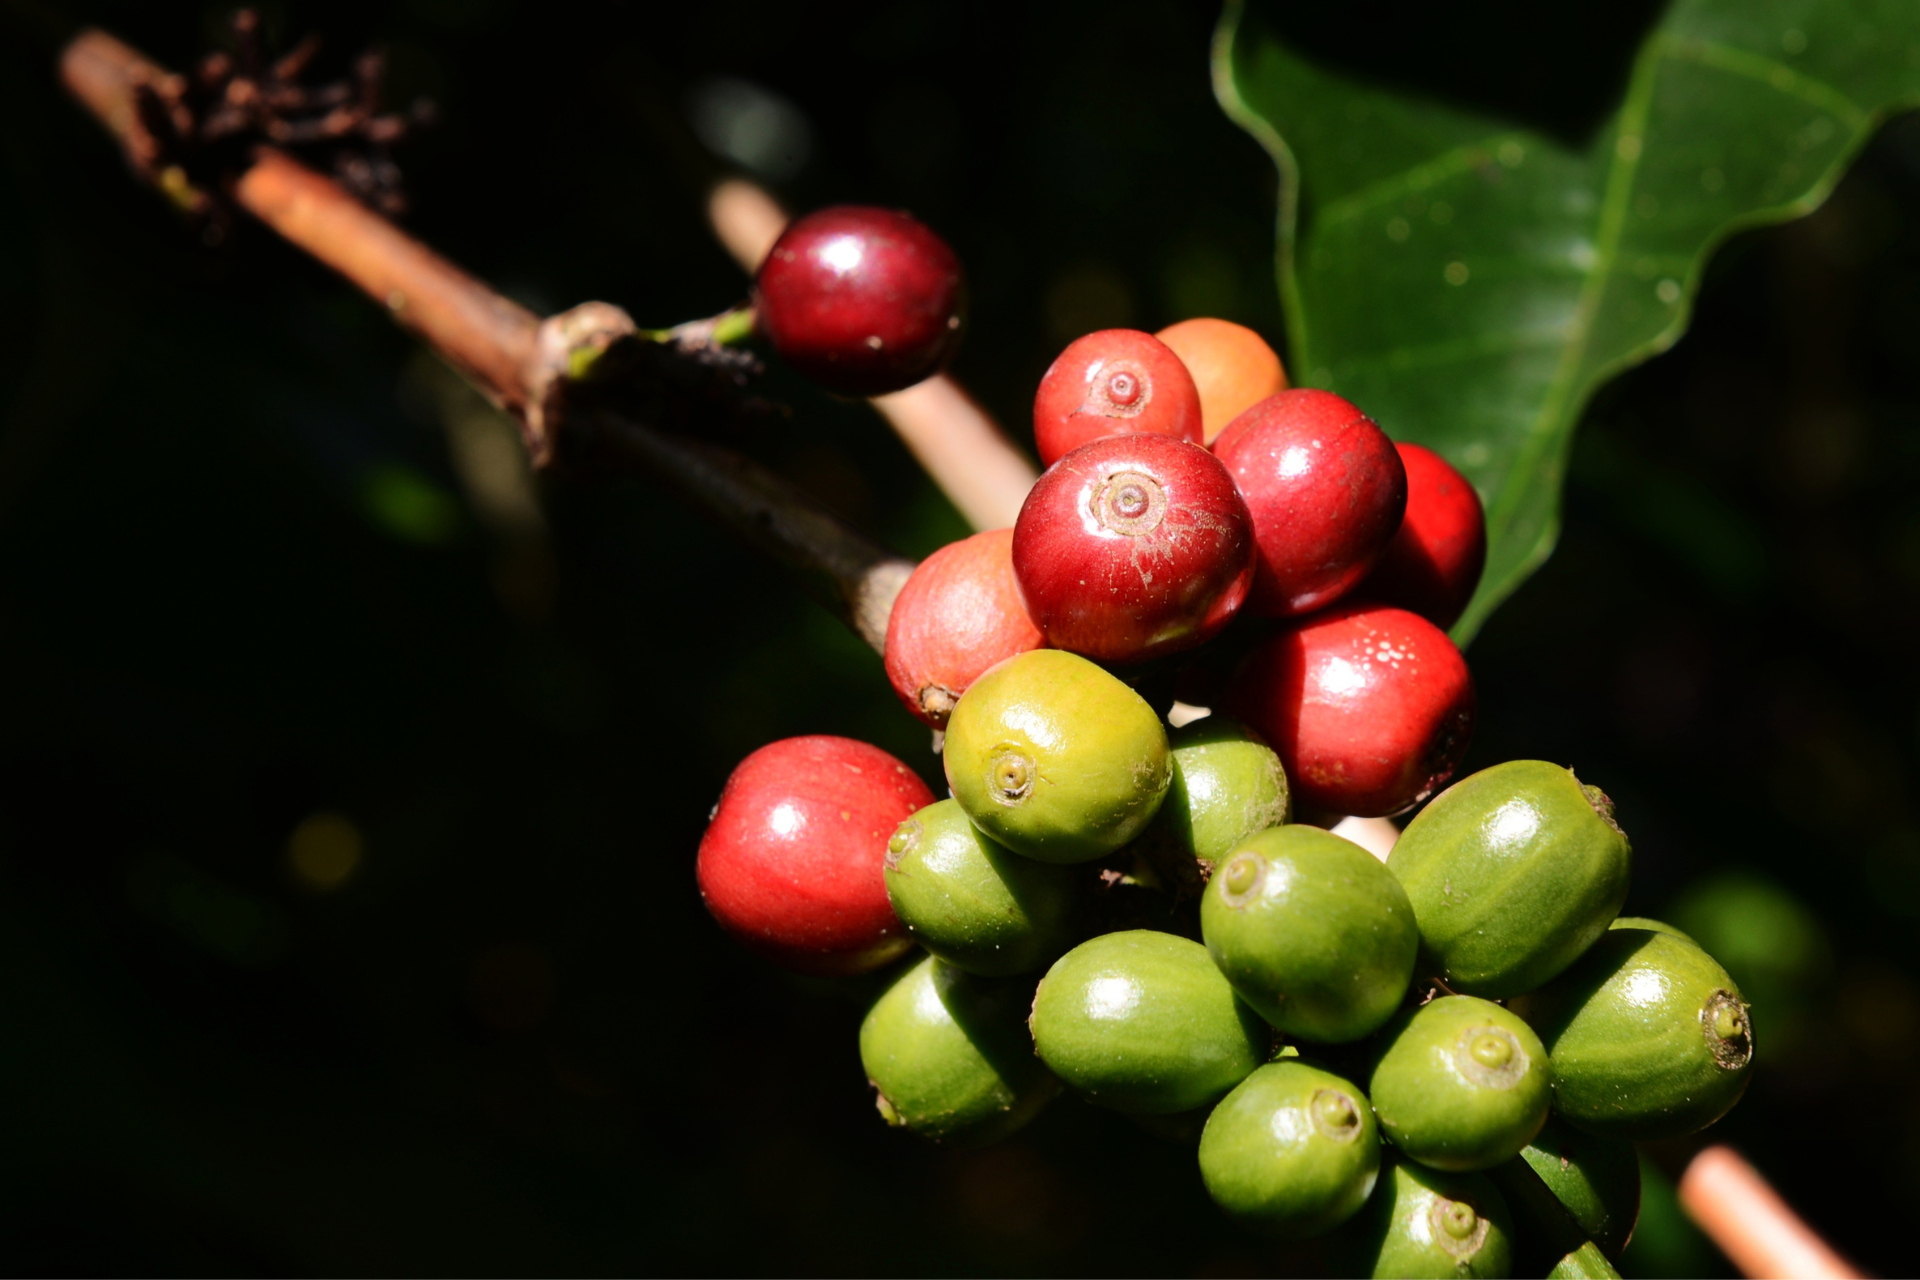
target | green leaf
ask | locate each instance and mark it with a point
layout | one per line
(1471, 283)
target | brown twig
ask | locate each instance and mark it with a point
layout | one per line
(1751, 1223)
(527, 365)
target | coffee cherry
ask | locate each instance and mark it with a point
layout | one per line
(1233, 368)
(1132, 547)
(1463, 1084)
(1326, 491)
(791, 862)
(1649, 1036)
(1227, 785)
(1142, 1021)
(1055, 758)
(1596, 1179)
(1433, 564)
(1312, 932)
(1112, 383)
(862, 301)
(959, 614)
(1421, 1222)
(1293, 1151)
(1370, 708)
(974, 903)
(949, 1059)
(1513, 872)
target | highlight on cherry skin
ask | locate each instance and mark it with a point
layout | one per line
(1326, 490)
(793, 861)
(1109, 383)
(861, 300)
(1132, 547)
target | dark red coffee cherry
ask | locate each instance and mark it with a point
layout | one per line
(863, 301)
(1131, 547)
(1434, 562)
(1326, 490)
(959, 613)
(793, 863)
(1370, 707)
(1113, 383)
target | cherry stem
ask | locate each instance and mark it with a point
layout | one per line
(1753, 1226)
(520, 361)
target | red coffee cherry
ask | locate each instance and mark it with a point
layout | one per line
(959, 614)
(1434, 562)
(1326, 491)
(1131, 547)
(863, 301)
(792, 864)
(1370, 707)
(1112, 383)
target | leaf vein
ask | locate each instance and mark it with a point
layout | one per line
(1448, 164)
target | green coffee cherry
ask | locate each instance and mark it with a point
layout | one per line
(1227, 785)
(1513, 873)
(1463, 1084)
(1142, 1021)
(1657, 926)
(1291, 1152)
(976, 904)
(1597, 1180)
(1312, 932)
(1649, 1037)
(1422, 1223)
(1055, 758)
(950, 1061)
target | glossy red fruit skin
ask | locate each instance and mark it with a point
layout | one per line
(1111, 383)
(960, 613)
(1132, 547)
(1434, 563)
(861, 300)
(1370, 707)
(1326, 490)
(792, 864)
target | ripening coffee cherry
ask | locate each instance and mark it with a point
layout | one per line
(1233, 368)
(1142, 1021)
(1312, 932)
(1112, 383)
(959, 614)
(791, 864)
(1370, 708)
(1326, 491)
(1293, 1151)
(1133, 547)
(1463, 1084)
(1650, 1038)
(1433, 564)
(1421, 1222)
(1055, 758)
(1513, 872)
(1596, 1179)
(861, 300)
(949, 1059)
(975, 903)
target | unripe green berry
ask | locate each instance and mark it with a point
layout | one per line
(1513, 873)
(949, 1059)
(1142, 1021)
(1463, 1084)
(1649, 1036)
(1228, 784)
(1312, 932)
(1422, 1223)
(1597, 1180)
(1055, 758)
(1293, 1151)
(974, 903)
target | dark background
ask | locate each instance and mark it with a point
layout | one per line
(266, 586)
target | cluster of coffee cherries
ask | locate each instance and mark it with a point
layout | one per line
(1445, 1056)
